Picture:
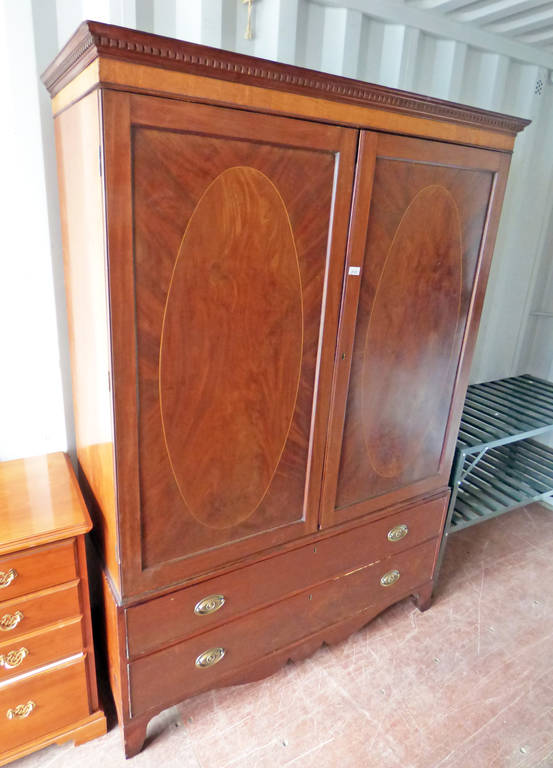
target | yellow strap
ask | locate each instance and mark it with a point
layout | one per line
(248, 34)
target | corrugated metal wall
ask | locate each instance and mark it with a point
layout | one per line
(392, 42)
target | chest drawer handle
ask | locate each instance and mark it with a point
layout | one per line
(10, 621)
(13, 659)
(21, 711)
(209, 605)
(398, 532)
(390, 578)
(7, 578)
(209, 658)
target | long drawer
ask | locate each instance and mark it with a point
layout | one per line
(33, 706)
(39, 568)
(187, 668)
(25, 614)
(195, 609)
(37, 649)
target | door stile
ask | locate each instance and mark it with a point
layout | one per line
(355, 255)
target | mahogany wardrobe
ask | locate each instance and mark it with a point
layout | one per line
(274, 280)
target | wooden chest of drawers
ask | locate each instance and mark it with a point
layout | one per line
(225, 654)
(47, 673)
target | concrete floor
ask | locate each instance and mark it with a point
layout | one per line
(468, 684)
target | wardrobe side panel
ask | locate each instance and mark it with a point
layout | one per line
(78, 147)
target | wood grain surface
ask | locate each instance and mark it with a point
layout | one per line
(408, 350)
(269, 382)
(60, 698)
(57, 641)
(172, 673)
(278, 370)
(164, 620)
(39, 499)
(42, 609)
(39, 568)
(402, 341)
(243, 329)
(78, 151)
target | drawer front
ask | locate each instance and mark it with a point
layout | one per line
(26, 614)
(36, 705)
(37, 649)
(172, 673)
(24, 572)
(172, 617)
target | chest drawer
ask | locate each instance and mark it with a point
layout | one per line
(33, 706)
(176, 672)
(26, 614)
(195, 609)
(37, 649)
(38, 568)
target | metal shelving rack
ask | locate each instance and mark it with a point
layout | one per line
(498, 466)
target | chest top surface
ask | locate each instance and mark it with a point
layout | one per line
(40, 502)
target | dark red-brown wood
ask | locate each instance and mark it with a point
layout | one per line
(244, 327)
(401, 342)
(162, 621)
(168, 674)
(283, 318)
(226, 404)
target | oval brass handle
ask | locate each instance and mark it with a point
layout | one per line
(13, 659)
(10, 621)
(21, 711)
(209, 658)
(209, 605)
(390, 578)
(7, 578)
(397, 532)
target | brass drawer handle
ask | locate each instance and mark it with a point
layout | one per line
(398, 532)
(209, 605)
(13, 659)
(7, 578)
(390, 578)
(209, 658)
(21, 711)
(10, 621)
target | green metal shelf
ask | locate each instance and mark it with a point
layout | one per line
(498, 466)
(504, 411)
(504, 478)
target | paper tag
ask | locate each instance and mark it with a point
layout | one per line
(354, 271)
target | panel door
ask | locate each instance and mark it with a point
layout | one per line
(220, 252)
(424, 222)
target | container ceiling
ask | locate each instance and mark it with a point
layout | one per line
(526, 21)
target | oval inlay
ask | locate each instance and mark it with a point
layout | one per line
(412, 327)
(231, 348)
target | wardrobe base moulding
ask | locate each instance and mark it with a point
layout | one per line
(291, 630)
(274, 282)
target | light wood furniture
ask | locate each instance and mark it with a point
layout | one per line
(274, 281)
(47, 674)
